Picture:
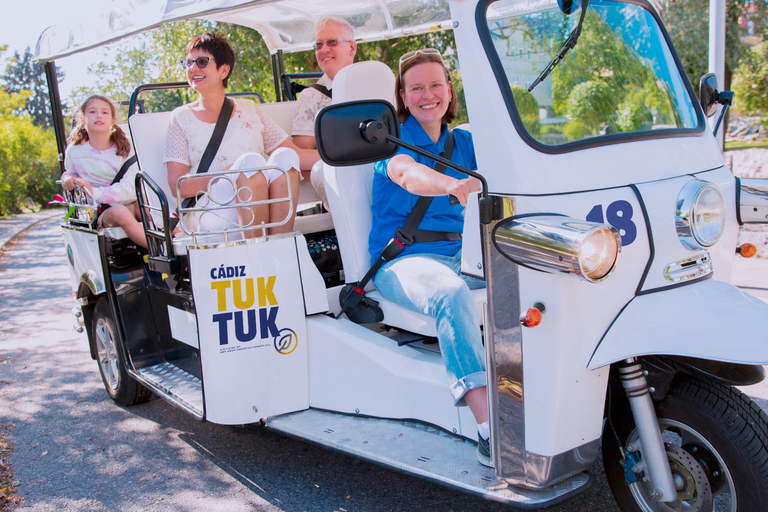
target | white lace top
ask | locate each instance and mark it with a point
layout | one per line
(249, 130)
(310, 102)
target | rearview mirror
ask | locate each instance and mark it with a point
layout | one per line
(356, 132)
(708, 94)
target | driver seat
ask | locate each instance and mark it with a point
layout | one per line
(349, 191)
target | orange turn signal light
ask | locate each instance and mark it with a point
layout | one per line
(534, 314)
(747, 250)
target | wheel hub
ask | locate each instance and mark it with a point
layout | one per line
(693, 490)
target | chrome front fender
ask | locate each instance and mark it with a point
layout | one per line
(709, 320)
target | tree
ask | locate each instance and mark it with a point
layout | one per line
(750, 81)
(687, 22)
(156, 59)
(22, 73)
(28, 156)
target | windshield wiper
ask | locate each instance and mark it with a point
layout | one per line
(564, 49)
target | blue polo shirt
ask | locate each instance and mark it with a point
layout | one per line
(392, 204)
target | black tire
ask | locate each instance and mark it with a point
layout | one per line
(120, 386)
(719, 426)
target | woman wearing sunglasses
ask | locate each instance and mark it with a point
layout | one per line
(252, 139)
(425, 276)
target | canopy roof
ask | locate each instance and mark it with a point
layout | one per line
(287, 25)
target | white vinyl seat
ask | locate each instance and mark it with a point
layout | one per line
(148, 132)
(349, 191)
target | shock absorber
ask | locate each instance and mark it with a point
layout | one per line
(654, 456)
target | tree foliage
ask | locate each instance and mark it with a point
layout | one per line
(22, 73)
(154, 58)
(750, 82)
(687, 22)
(28, 156)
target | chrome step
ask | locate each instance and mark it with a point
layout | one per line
(176, 385)
(420, 450)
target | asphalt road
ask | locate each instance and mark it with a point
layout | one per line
(75, 450)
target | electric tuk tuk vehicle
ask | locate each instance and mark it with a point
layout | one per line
(605, 231)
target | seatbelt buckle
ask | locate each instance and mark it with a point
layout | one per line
(359, 308)
(403, 239)
(351, 296)
(392, 250)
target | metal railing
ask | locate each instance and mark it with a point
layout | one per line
(224, 207)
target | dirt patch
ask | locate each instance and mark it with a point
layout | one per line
(9, 499)
(748, 163)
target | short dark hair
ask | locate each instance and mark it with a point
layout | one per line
(218, 46)
(402, 112)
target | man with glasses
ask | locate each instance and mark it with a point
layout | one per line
(335, 49)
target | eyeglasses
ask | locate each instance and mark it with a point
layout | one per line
(202, 62)
(410, 55)
(331, 43)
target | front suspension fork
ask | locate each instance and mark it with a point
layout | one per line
(654, 456)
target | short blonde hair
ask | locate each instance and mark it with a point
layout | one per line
(336, 20)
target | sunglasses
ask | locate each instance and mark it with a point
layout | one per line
(410, 55)
(202, 62)
(331, 43)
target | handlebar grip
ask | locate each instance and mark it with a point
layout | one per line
(454, 200)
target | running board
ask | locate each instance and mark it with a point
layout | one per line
(420, 450)
(175, 385)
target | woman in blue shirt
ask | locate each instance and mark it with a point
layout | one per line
(425, 277)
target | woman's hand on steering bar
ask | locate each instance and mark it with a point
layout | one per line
(462, 188)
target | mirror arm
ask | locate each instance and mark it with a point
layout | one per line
(443, 161)
(725, 98)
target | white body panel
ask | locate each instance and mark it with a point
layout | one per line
(471, 242)
(249, 376)
(358, 371)
(312, 284)
(660, 198)
(183, 326)
(83, 253)
(709, 319)
(564, 399)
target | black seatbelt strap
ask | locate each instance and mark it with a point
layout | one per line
(323, 89)
(352, 296)
(124, 169)
(213, 145)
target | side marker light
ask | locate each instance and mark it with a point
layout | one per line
(533, 316)
(746, 250)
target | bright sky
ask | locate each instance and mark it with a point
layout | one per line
(23, 22)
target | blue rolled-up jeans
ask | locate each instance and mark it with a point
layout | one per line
(432, 284)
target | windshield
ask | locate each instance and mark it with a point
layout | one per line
(620, 78)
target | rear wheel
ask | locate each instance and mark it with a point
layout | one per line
(120, 386)
(717, 444)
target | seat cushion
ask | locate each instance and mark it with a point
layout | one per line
(411, 321)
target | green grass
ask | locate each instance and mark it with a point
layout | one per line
(738, 144)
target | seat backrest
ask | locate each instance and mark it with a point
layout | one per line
(149, 131)
(349, 188)
(281, 113)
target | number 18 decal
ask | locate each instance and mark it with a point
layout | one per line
(619, 215)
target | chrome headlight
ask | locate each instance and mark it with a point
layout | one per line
(700, 215)
(559, 244)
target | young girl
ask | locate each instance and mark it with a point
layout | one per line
(97, 149)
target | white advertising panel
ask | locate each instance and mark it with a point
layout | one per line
(84, 257)
(253, 342)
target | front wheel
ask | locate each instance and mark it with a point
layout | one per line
(717, 444)
(120, 386)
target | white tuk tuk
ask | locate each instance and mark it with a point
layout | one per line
(590, 142)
